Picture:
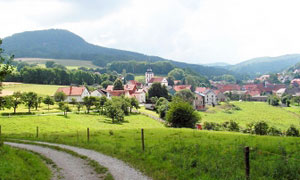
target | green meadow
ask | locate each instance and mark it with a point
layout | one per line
(169, 153)
(249, 112)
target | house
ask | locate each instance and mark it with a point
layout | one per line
(263, 78)
(280, 92)
(210, 96)
(140, 95)
(161, 80)
(295, 82)
(77, 93)
(134, 82)
(199, 102)
(220, 96)
(100, 93)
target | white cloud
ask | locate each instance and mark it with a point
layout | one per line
(198, 31)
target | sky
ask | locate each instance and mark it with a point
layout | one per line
(193, 31)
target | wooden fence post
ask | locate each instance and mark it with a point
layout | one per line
(0, 130)
(77, 137)
(247, 163)
(143, 142)
(37, 132)
(88, 134)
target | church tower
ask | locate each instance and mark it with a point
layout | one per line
(148, 75)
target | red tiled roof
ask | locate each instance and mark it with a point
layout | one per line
(253, 93)
(181, 87)
(229, 87)
(71, 91)
(156, 79)
(129, 87)
(117, 92)
(201, 89)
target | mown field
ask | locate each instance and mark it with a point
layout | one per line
(21, 164)
(169, 153)
(249, 112)
(40, 89)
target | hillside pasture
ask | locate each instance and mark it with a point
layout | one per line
(252, 112)
(40, 89)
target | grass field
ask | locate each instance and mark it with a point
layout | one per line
(169, 153)
(18, 164)
(69, 63)
(40, 89)
(252, 112)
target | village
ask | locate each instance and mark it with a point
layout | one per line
(220, 91)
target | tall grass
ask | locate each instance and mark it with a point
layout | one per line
(191, 154)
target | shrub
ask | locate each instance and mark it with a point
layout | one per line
(274, 131)
(261, 128)
(292, 131)
(211, 126)
(233, 126)
(182, 114)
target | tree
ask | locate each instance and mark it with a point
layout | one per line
(29, 99)
(161, 107)
(102, 102)
(89, 101)
(292, 131)
(157, 90)
(5, 65)
(187, 95)
(182, 114)
(286, 99)
(104, 84)
(50, 64)
(49, 101)
(118, 85)
(129, 76)
(38, 102)
(65, 108)
(134, 103)
(60, 96)
(16, 99)
(73, 101)
(2, 103)
(170, 80)
(79, 106)
(114, 110)
(261, 128)
(177, 73)
(273, 100)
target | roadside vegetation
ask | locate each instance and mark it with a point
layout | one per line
(21, 164)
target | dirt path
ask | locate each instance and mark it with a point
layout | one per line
(71, 168)
(118, 169)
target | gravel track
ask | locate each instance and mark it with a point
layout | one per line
(71, 168)
(118, 169)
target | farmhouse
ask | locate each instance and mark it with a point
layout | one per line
(210, 96)
(77, 93)
(199, 102)
(130, 90)
(161, 80)
(100, 93)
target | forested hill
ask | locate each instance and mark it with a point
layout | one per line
(264, 65)
(62, 44)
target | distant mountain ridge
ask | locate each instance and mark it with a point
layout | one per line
(63, 44)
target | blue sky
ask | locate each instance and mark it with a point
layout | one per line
(194, 31)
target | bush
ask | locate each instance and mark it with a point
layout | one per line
(292, 131)
(261, 128)
(211, 126)
(182, 114)
(233, 126)
(274, 131)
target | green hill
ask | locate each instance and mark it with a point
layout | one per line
(62, 44)
(264, 65)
